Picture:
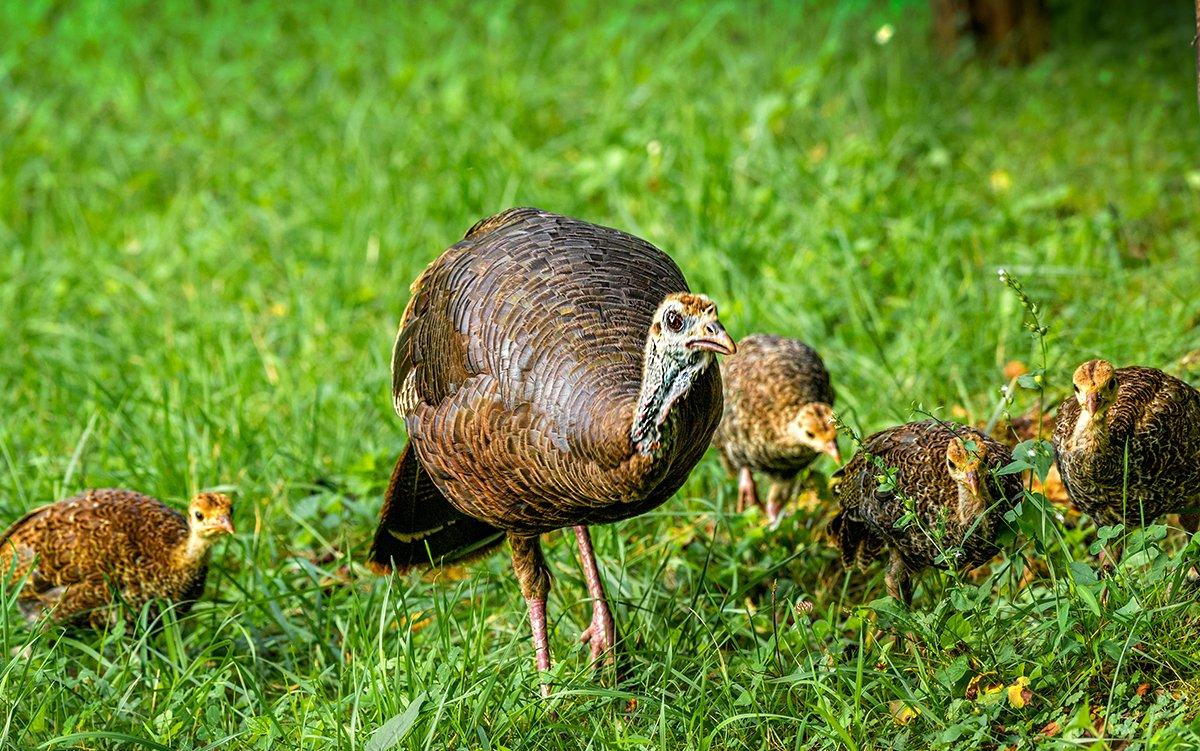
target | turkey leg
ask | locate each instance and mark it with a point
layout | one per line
(747, 490)
(778, 494)
(602, 634)
(898, 580)
(534, 577)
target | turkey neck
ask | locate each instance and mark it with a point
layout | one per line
(665, 379)
(970, 505)
(191, 551)
(1091, 432)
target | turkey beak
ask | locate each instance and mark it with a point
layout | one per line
(224, 523)
(972, 481)
(714, 338)
(831, 448)
(1092, 402)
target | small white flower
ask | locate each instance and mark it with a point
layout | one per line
(884, 34)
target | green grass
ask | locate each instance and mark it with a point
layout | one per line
(208, 224)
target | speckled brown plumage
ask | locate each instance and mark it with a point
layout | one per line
(949, 516)
(1128, 444)
(777, 416)
(526, 367)
(79, 558)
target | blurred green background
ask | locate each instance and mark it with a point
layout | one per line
(210, 215)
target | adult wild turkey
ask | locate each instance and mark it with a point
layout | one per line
(778, 417)
(944, 475)
(552, 373)
(1128, 445)
(77, 558)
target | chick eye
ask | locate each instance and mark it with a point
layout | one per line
(199, 516)
(1077, 388)
(673, 320)
(808, 434)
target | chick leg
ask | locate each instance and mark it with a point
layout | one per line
(899, 585)
(534, 577)
(1110, 555)
(602, 634)
(1191, 523)
(898, 580)
(777, 496)
(747, 490)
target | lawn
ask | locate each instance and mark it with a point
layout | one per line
(210, 214)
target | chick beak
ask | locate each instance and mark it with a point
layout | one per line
(713, 338)
(831, 448)
(1092, 402)
(224, 523)
(972, 481)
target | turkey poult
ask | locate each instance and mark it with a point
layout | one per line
(778, 417)
(78, 559)
(552, 373)
(945, 474)
(1128, 445)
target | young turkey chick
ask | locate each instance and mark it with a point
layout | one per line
(1128, 444)
(943, 473)
(78, 558)
(777, 417)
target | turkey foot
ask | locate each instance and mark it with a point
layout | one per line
(601, 635)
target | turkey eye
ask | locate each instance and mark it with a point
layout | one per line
(199, 516)
(1076, 388)
(673, 320)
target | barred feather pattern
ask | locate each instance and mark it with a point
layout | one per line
(1144, 461)
(518, 370)
(765, 384)
(80, 557)
(865, 526)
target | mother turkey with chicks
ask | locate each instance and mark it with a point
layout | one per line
(551, 373)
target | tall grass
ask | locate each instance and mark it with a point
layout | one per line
(209, 218)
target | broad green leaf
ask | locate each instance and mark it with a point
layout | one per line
(393, 731)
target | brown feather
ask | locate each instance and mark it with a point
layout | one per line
(522, 355)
